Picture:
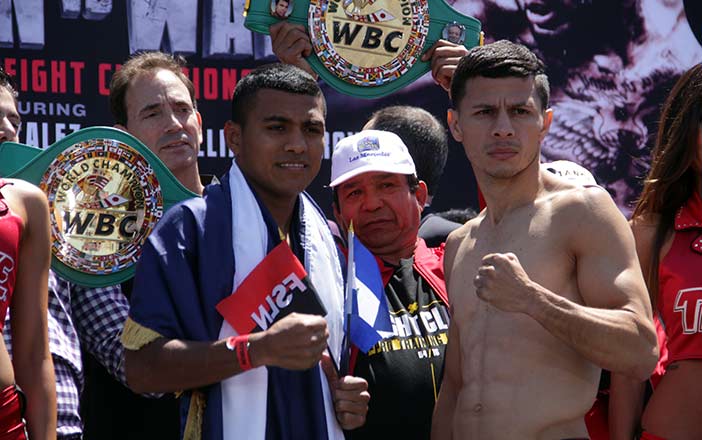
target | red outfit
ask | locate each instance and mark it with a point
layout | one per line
(12, 425)
(648, 436)
(680, 286)
(10, 232)
(658, 373)
(679, 318)
(597, 418)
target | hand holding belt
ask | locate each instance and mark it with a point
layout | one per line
(368, 48)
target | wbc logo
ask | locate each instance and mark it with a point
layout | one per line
(368, 43)
(688, 302)
(104, 200)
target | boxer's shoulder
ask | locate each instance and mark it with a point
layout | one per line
(579, 200)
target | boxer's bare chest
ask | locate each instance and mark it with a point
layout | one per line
(542, 247)
(533, 234)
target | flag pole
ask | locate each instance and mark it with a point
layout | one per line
(348, 302)
(284, 238)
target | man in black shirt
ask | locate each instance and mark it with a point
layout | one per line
(375, 186)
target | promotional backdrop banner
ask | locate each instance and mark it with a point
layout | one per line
(611, 65)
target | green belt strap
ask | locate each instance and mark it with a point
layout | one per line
(369, 48)
(106, 192)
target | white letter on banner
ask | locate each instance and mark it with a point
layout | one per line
(262, 46)
(97, 9)
(70, 8)
(222, 36)
(292, 281)
(148, 21)
(30, 23)
(94, 9)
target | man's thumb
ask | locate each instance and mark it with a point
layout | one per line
(329, 370)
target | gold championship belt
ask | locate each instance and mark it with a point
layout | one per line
(368, 48)
(106, 193)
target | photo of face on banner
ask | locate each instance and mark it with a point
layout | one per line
(454, 32)
(282, 8)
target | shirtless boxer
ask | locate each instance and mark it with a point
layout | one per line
(544, 284)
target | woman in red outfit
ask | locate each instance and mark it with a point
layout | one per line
(667, 225)
(24, 269)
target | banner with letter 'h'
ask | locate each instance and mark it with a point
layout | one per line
(275, 288)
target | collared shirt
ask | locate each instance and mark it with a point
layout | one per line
(98, 316)
(110, 409)
(65, 353)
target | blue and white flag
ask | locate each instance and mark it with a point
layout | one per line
(366, 309)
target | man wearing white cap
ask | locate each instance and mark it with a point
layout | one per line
(375, 186)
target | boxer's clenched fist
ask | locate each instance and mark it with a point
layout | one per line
(502, 282)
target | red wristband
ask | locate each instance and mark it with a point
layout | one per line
(240, 346)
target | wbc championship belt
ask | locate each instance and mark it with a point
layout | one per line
(368, 48)
(106, 192)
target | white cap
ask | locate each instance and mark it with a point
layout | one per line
(571, 171)
(370, 150)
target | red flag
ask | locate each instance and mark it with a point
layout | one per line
(275, 288)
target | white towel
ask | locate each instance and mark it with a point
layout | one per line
(244, 396)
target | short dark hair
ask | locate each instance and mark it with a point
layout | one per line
(276, 76)
(8, 83)
(458, 215)
(412, 184)
(140, 63)
(424, 136)
(501, 59)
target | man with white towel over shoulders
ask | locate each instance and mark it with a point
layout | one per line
(267, 384)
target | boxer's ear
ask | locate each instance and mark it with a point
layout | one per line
(452, 121)
(421, 194)
(232, 136)
(548, 118)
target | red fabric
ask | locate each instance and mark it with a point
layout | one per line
(429, 262)
(240, 346)
(679, 301)
(265, 288)
(10, 232)
(648, 436)
(11, 423)
(353, 358)
(597, 419)
(662, 353)
(386, 270)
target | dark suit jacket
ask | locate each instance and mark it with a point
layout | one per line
(434, 229)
